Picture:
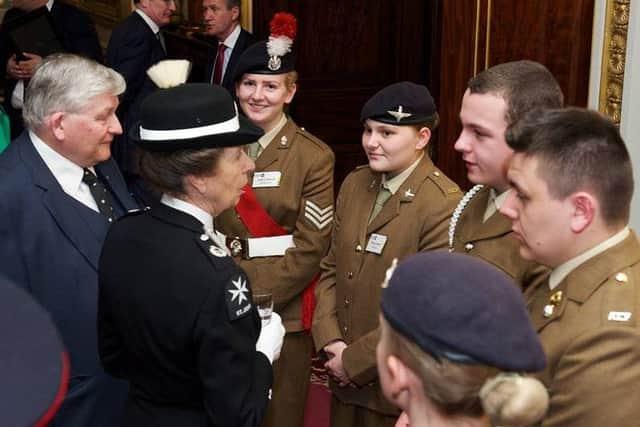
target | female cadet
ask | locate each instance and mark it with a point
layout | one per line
(396, 206)
(281, 228)
(176, 316)
(454, 331)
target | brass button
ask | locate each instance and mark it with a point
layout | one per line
(622, 278)
(346, 301)
(548, 310)
(436, 173)
(556, 298)
(358, 248)
(350, 275)
(468, 246)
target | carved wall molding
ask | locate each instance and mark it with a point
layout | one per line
(614, 50)
(246, 19)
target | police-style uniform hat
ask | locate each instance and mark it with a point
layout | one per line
(403, 103)
(192, 116)
(460, 308)
(273, 56)
(34, 368)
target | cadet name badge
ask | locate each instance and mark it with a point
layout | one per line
(266, 179)
(376, 243)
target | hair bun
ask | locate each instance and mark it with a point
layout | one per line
(513, 400)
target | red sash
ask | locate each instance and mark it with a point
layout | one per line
(261, 224)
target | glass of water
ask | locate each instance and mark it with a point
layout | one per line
(263, 299)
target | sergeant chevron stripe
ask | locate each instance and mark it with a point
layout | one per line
(320, 217)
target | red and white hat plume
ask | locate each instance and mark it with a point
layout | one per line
(283, 28)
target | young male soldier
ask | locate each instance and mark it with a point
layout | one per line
(496, 99)
(572, 186)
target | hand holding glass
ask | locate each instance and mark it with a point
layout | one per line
(263, 299)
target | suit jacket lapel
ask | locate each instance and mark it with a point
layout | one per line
(110, 175)
(177, 218)
(227, 80)
(581, 282)
(185, 221)
(64, 210)
(474, 229)
(282, 141)
(405, 194)
(588, 277)
(367, 205)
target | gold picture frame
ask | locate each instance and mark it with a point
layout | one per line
(614, 52)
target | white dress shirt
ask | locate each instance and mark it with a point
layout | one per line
(68, 174)
(230, 43)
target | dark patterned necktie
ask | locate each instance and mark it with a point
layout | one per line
(100, 194)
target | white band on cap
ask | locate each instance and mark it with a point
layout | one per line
(230, 125)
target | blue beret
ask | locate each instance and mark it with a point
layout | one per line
(460, 308)
(33, 365)
(402, 103)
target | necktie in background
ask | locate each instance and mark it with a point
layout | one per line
(160, 37)
(100, 194)
(217, 69)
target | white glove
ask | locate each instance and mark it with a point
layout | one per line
(271, 338)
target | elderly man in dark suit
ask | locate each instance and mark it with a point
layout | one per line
(59, 191)
(135, 45)
(222, 21)
(77, 35)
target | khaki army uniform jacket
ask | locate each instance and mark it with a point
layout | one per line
(493, 242)
(591, 335)
(303, 205)
(414, 219)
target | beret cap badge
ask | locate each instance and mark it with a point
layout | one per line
(399, 114)
(274, 63)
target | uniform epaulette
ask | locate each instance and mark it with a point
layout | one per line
(311, 137)
(620, 303)
(444, 183)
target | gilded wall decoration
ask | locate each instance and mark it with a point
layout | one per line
(613, 58)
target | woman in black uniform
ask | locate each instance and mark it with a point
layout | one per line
(176, 316)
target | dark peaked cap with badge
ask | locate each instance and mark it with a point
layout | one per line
(460, 308)
(34, 367)
(403, 103)
(192, 116)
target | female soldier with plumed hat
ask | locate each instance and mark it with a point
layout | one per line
(397, 205)
(281, 227)
(176, 316)
(455, 337)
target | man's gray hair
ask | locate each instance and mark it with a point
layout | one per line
(66, 82)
